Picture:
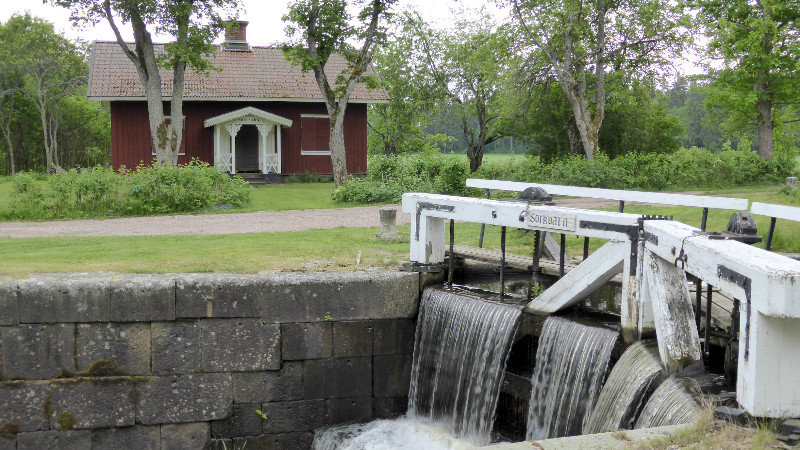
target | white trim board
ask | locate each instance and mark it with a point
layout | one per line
(315, 152)
(778, 211)
(661, 198)
(315, 116)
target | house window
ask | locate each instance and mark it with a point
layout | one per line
(182, 150)
(314, 135)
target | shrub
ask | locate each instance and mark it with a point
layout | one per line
(99, 191)
(694, 168)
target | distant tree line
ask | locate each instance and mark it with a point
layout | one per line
(582, 77)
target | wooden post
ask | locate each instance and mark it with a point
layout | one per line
(678, 339)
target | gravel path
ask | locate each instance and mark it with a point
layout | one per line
(255, 222)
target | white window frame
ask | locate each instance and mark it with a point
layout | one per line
(182, 133)
(313, 152)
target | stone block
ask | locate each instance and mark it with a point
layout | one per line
(9, 314)
(142, 298)
(127, 344)
(37, 351)
(392, 375)
(8, 442)
(306, 340)
(92, 403)
(271, 386)
(243, 422)
(286, 417)
(176, 347)
(348, 410)
(338, 378)
(340, 296)
(65, 298)
(25, 403)
(240, 345)
(352, 339)
(733, 415)
(280, 441)
(185, 398)
(790, 426)
(55, 440)
(127, 438)
(393, 336)
(389, 407)
(218, 295)
(314, 379)
(185, 436)
(225, 444)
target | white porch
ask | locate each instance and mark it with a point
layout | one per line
(258, 148)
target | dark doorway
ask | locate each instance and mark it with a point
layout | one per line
(247, 149)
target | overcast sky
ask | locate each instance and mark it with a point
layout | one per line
(264, 16)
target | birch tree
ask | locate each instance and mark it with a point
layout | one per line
(322, 28)
(192, 25)
(579, 42)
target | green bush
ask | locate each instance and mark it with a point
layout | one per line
(99, 191)
(694, 168)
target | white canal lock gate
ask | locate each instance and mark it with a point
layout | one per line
(654, 258)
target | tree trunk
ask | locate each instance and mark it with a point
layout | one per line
(764, 118)
(11, 166)
(587, 130)
(572, 137)
(336, 144)
(475, 155)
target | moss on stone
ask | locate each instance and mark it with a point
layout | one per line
(66, 373)
(66, 420)
(104, 368)
(47, 408)
(9, 429)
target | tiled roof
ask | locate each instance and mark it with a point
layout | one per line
(262, 73)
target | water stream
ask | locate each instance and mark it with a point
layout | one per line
(460, 352)
(637, 373)
(671, 404)
(571, 364)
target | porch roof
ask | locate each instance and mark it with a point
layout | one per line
(248, 111)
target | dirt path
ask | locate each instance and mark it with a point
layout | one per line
(255, 222)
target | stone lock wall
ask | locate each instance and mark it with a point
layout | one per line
(106, 361)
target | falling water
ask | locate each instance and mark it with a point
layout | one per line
(634, 376)
(461, 347)
(398, 434)
(673, 403)
(571, 363)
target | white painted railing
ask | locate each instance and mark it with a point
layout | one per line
(655, 257)
(775, 212)
(661, 198)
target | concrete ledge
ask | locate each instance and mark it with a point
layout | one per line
(622, 439)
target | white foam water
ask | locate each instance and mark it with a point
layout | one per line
(398, 434)
(571, 364)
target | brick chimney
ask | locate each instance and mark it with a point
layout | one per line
(236, 37)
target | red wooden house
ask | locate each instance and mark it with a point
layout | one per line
(258, 116)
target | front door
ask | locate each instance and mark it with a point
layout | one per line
(247, 149)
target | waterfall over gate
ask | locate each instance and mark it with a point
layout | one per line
(638, 371)
(571, 363)
(672, 403)
(460, 352)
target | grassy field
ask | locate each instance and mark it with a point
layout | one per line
(335, 249)
(494, 157)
